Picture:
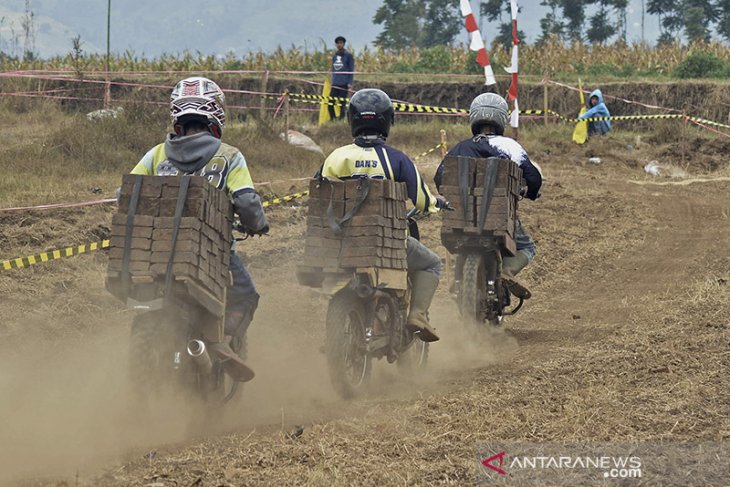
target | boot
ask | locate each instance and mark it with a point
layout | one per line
(423, 287)
(510, 267)
(232, 363)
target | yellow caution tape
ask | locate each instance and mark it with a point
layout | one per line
(423, 154)
(318, 98)
(284, 199)
(709, 122)
(410, 107)
(52, 255)
(632, 117)
(21, 262)
(416, 108)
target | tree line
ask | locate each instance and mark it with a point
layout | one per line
(428, 23)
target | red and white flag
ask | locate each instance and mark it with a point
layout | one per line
(513, 69)
(476, 43)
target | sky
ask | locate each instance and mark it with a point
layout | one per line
(151, 28)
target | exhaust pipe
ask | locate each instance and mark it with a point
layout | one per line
(199, 353)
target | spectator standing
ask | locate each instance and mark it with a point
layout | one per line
(343, 66)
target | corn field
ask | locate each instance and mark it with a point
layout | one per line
(553, 58)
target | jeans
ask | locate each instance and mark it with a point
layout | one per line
(421, 258)
(242, 298)
(525, 244)
(339, 91)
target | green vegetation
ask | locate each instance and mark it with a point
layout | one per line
(702, 64)
(556, 58)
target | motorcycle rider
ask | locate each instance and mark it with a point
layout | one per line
(488, 118)
(370, 115)
(197, 108)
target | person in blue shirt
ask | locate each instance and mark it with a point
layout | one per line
(370, 114)
(488, 118)
(597, 109)
(343, 67)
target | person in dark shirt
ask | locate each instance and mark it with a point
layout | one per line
(488, 118)
(371, 114)
(343, 67)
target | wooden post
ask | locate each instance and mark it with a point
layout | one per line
(264, 86)
(108, 86)
(286, 115)
(545, 100)
(444, 149)
(685, 122)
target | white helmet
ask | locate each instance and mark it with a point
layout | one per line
(488, 109)
(202, 97)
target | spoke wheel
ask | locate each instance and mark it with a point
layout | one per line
(345, 344)
(472, 295)
(415, 358)
(475, 302)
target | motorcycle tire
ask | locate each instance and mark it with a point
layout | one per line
(473, 302)
(151, 358)
(415, 358)
(348, 361)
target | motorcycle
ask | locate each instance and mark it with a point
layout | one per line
(169, 262)
(480, 240)
(366, 321)
(175, 347)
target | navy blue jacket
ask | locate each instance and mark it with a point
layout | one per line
(484, 146)
(343, 66)
(376, 160)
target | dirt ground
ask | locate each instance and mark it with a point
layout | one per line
(625, 339)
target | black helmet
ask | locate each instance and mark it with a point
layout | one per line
(370, 110)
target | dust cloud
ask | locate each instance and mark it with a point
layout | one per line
(67, 410)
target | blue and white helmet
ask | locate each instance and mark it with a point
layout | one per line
(202, 97)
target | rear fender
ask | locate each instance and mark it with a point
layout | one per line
(336, 283)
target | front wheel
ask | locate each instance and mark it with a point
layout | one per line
(414, 358)
(345, 344)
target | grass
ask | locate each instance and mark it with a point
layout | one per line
(54, 154)
(625, 339)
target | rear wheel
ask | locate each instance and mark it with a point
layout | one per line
(478, 299)
(153, 363)
(345, 344)
(472, 294)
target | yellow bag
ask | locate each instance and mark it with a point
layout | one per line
(580, 134)
(324, 113)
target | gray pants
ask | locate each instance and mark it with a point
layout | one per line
(421, 258)
(525, 244)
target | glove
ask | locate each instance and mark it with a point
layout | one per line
(443, 203)
(241, 228)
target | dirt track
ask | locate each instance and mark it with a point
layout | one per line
(626, 339)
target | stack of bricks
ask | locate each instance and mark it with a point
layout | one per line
(501, 214)
(202, 249)
(374, 237)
